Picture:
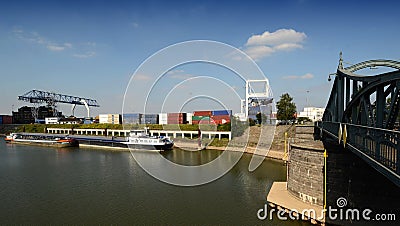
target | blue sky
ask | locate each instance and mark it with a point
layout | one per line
(91, 49)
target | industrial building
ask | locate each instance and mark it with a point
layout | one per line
(313, 113)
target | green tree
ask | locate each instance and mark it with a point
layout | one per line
(252, 122)
(261, 118)
(238, 127)
(286, 108)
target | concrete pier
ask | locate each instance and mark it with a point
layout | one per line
(280, 198)
(302, 196)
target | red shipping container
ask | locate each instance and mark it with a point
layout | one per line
(218, 122)
(219, 117)
(175, 117)
(207, 122)
(202, 113)
(221, 121)
(175, 114)
(7, 119)
(175, 121)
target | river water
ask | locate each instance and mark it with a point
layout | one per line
(41, 185)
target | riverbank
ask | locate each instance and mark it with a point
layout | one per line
(266, 141)
(256, 140)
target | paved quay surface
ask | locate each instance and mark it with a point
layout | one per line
(280, 196)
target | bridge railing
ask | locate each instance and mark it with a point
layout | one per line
(381, 145)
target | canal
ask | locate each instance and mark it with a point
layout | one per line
(42, 185)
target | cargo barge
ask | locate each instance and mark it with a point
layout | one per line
(41, 140)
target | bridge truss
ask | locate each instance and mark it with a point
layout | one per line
(363, 112)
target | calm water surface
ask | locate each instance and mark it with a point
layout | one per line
(41, 185)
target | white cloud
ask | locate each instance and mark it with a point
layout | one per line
(36, 38)
(135, 24)
(288, 46)
(141, 77)
(55, 47)
(276, 38)
(306, 76)
(258, 52)
(179, 74)
(68, 45)
(91, 44)
(259, 46)
(85, 55)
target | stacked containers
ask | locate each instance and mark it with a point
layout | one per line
(132, 118)
(149, 119)
(176, 118)
(202, 120)
(162, 119)
(221, 116)
(201, 117)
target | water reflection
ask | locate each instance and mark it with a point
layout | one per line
(85, 186)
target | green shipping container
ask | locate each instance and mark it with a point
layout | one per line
(198, 118)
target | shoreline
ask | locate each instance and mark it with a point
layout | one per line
(193, 146)
(271, 154)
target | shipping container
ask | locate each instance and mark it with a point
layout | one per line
(149, 115)
(163, 118)
(189, 118)
(202, 122)
(110, 118)
(222, 112)
(221, 117)
(202, 113)
(149, 119)
(177, 118)
(206, 122)
(133, 115)
(132, 118)
(175, 121)
(6, 119)
(197, 118)
(180, 114)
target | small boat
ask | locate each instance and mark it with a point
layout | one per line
(140, 139)
(41, 140)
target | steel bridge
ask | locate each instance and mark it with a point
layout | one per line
(362, 114)
(39, 97)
